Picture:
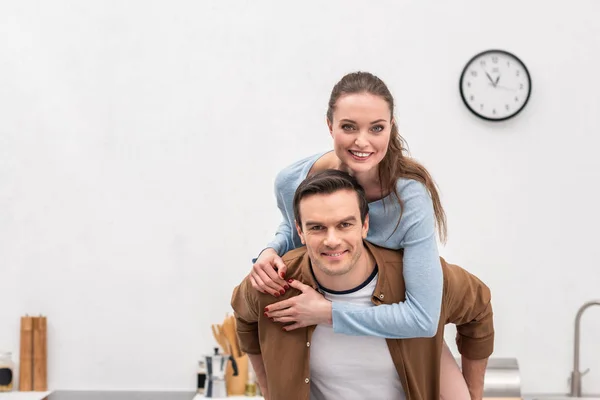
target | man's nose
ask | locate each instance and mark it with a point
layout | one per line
(332, 240)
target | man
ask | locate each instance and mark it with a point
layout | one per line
(332, 221)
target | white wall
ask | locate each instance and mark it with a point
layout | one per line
(139, 141)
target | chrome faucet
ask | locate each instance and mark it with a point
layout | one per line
(576, 374)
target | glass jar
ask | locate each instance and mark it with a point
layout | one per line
(6, 371)
(201, 377)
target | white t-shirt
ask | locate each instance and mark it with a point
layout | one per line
(352, 367)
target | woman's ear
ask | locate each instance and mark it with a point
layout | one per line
(330, 126)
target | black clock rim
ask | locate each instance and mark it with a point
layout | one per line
(462, 75)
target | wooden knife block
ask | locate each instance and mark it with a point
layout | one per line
(33, 358)
(236, 385)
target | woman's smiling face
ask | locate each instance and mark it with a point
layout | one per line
(361, 129)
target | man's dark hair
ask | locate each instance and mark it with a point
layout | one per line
(328, 182)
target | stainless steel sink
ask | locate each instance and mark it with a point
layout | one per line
(502, 378)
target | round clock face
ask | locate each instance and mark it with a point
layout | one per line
(495, 85)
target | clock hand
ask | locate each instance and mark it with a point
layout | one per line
(490, 78)
(497, 79)
(505, 88)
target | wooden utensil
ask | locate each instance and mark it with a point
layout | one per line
(220, 337)
(227, 346)
(229, 331)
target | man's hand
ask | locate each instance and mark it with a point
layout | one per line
(309, 308)
(474, 373)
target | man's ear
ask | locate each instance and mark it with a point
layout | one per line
(365, 228)
(299, 230)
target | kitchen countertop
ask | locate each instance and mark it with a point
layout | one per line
(182, 395)
(143, 395)
(118, 395)
(136, 395)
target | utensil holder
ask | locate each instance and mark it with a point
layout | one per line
(236, 385)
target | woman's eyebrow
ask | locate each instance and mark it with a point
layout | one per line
(354, 122)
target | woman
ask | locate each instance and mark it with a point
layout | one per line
(404, 209)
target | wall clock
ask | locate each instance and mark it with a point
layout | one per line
(495, 85)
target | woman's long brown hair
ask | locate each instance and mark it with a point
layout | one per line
(396, 163)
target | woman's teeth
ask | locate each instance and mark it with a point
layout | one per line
(361, 155)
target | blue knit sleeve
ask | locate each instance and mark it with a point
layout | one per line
(419, 314)
(282, 242)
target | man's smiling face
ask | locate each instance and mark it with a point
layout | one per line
(332, 231)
